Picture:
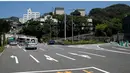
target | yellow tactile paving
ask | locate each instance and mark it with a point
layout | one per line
(87, 71)
(65, 72)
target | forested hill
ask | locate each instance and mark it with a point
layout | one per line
(102, 15)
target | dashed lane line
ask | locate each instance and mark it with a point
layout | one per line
(19, 46)
(91, 54)
(24, 50)
(34, 58)
(85, 56)
(65, 56)
(55, 47)
(41, 49)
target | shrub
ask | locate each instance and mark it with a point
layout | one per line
(67, 42)
(1, 49)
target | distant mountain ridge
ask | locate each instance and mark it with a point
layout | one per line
(12, 18)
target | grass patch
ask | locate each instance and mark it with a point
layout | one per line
(1, 49)
(67, 42)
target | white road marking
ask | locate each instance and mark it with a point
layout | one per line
(73, 69)
(65, 56)
(100, 70)
(45, 71)
(120, 49)
(116, 51)
(16, 59)
(85, 56)
(19, 46)
(100, 47)
(50, 58)
(34, 59)
(41, 49)
(24, 50)
(54, 46)
(91, 54)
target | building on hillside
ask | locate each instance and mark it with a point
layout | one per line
(82, 12)
(59, 10)
(30, 15)
(47, 17)
(126, 27)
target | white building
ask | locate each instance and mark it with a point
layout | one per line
(29, 15)
(59, 10)
(46, 17)
(82, 11)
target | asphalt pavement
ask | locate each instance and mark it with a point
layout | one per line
(92, 58)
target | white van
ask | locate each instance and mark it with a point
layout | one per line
(31, 43)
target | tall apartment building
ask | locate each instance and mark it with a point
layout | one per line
(82, 12)
(59, 10)
(29, 15)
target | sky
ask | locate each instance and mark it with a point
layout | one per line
(18, 8)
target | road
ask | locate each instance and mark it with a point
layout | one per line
(95, 58)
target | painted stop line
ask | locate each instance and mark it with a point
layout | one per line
(82, 70)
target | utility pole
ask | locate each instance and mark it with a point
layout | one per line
(65, 26)
(50, 31)
(72, 28)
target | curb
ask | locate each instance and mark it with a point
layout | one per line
(6, 46)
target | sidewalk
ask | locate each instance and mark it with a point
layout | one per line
(116, 44)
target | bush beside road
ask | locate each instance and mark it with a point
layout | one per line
(1, 49)
(82, 42)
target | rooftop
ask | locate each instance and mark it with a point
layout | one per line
(59, 8)
(81, 9)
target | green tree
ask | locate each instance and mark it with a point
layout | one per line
(100, 29)
(75, 13)
(4, 28)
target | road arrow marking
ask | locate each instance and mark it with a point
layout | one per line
(16, 59)
(50, 58)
